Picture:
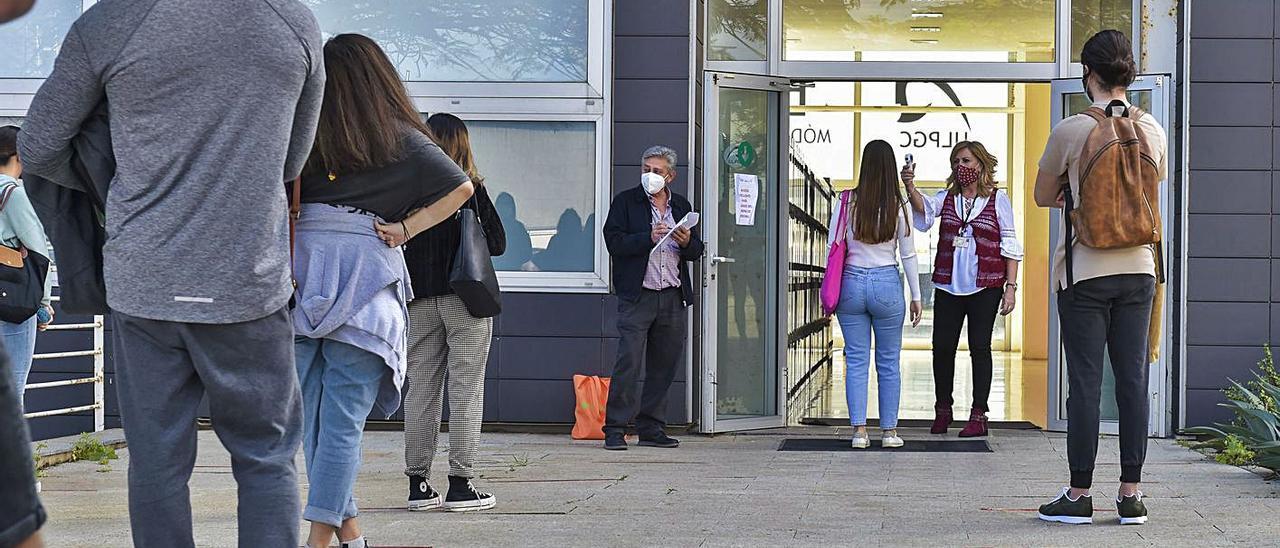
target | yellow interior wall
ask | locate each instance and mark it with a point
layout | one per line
(1035, 267)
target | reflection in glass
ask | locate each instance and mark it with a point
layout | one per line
(919, 30)
(1078, 102)
(542, 177)
(739, 30)
(468, 40)
(31, 43)
(1089, 17)
(745, 339)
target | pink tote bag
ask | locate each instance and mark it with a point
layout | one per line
(836, 258)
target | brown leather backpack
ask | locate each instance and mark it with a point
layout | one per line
(1119, 198)
(1119, 202)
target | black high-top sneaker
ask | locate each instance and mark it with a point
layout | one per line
(421, 495)
(463, 497)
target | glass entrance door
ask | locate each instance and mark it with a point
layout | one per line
(743, 320)
(1148, 93)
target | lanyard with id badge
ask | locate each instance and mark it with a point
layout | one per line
(965, 235)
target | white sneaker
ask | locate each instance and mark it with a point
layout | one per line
(860, 440)
(891, 440)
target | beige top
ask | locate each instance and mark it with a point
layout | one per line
(1062, 156)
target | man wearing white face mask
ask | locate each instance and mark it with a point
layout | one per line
(651, 278)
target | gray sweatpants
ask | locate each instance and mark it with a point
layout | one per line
(445, 341)
(248, 373)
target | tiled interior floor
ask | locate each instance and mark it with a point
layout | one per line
(1019, 390)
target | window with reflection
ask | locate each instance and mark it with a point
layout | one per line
(542, 179)
(470, 40)
(919, 30)
(1089, 17)
(31, 42)
(738, 30)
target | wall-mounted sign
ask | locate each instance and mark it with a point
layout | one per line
(746, 192)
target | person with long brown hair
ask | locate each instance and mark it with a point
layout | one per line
(445, 340)
(975, 274)
(374, 179)
(878, 235)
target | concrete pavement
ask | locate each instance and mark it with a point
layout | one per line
(732, 490)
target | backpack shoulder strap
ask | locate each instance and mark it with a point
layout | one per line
(1136, 113)
(6, 193)
(1096, 113)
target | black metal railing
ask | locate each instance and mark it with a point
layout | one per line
(809, 338)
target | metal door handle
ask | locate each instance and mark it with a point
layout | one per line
(718, 260)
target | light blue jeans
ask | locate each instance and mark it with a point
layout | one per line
(871, 301)
(339, 385)
(20, 343)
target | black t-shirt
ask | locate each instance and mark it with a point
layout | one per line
(423, 175)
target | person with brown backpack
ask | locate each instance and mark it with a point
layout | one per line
(1104, 168)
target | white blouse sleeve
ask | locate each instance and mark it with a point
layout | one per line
(835, 218)
(907, 251)
(932, 210)
(1010, 247)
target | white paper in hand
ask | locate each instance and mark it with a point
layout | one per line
(689, 221)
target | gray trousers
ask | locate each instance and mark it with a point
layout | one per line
(1104, 317)
(445, 341)
(652, 331)
(247, 371)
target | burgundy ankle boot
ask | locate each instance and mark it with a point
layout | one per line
(977, 426)
(942, 418)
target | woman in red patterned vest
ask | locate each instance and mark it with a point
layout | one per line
(975, 273)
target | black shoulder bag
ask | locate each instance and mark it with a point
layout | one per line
(22, 276)
(473, 278)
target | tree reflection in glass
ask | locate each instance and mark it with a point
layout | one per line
(470, 40)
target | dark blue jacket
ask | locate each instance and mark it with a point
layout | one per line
(72, 210)
(627, 234)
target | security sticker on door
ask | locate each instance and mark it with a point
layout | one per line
(746, 191)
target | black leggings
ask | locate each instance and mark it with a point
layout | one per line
(949, 313)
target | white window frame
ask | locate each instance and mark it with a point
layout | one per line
(1060, 67)
(548, 102)
(587, 101)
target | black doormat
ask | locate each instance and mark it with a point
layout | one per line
(912, 446)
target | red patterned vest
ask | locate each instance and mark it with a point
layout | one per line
(986, 236)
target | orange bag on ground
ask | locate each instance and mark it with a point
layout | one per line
(592, 394)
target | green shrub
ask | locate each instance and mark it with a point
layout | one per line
(91, 448)
(1235, 453)
(1253, 437)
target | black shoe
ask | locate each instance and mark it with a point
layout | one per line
(659, 440)
(1065, 510)
(1131, 509)
(615, 442)
(421, 496)
(463, 497)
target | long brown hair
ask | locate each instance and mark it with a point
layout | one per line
(365, 110)
(878, 200)
(452, 136)
(986, 176)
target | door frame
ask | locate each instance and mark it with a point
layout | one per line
(1160, 383)
(710, 312)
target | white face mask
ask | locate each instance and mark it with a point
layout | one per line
(652, 182)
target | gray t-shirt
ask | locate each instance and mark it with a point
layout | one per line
(213, 105)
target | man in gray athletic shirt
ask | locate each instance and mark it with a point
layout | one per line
(213, 105)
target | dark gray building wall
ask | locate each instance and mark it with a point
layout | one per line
(651, 106)
(1233, 250)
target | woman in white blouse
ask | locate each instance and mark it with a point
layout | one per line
(975, 273)
(871, 289)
